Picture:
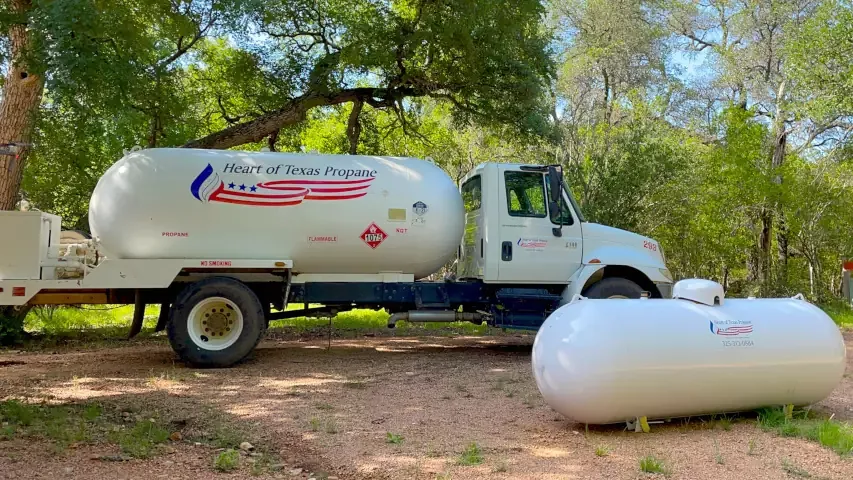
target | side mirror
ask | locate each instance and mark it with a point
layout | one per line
(554, 189)
(555, 206)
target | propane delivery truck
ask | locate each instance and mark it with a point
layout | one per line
(226, 240)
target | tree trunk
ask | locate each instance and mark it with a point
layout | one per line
(22, 94)
(811, 276)
(764, 246)
(12, 324)
(778, 159)
(354, 127)
(271, 141)
(782, 250)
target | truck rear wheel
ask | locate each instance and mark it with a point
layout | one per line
(614, 287)
(216, 322)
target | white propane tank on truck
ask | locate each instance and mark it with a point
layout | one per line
(317, 210)
(610, 361)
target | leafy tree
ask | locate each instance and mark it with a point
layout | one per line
(488, 59)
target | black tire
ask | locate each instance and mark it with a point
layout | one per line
(254, 323)
(613, 286)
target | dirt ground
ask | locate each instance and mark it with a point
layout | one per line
(331, 411)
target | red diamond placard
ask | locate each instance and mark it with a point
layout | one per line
(373, 235)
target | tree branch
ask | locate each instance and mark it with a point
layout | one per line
(294, 111)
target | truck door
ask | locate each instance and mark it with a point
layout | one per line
(471, 261)
(530, 250)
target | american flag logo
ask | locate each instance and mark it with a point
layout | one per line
(208, 187)
(531, 243)
(731, 331)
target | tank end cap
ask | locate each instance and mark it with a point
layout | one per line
(706, 292)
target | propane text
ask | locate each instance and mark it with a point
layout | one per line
(345, 173)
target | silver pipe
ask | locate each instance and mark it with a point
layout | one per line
(421, 316)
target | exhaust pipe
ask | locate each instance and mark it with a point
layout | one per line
(421, 316)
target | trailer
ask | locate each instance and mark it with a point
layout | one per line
(220, 239)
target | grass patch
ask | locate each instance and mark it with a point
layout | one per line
(62, 425)
(227, 461)
(752, 447)
(830, 433)
(108, 320)
(358, 320)
(718, 457)
(65, 425)
(225, 437)
(329, 425)
(794, 470)
(262, 465)
(602, 450)
(471, 455)
(355, 384)
(650, 464)
(840, 313)
(393, 438)
(142, 440)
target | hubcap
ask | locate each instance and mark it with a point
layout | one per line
(215, 323)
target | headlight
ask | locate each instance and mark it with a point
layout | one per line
(665, 273)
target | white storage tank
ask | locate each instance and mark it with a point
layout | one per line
(610, 361)
(327, 213)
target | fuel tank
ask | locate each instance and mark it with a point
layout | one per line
(326, 213)
(610, 361)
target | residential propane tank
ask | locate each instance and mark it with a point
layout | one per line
(327, 213)
(610, 361)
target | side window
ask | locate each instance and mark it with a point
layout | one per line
(471, 194)
(525, 194)
(565, 217)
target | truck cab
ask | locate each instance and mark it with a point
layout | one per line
(523, 227)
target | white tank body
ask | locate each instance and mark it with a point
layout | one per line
(327, 213)
(609, 361)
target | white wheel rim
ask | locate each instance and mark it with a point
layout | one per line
(618, 297)
(215, 323)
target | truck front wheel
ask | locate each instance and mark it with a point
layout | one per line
(613, 287)
(216, 322)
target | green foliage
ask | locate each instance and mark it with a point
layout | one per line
(393, 438)
(822, 60)
(471, 455)
(841, 313)
(227, 461)
(651, 464)
(830, 433)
